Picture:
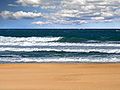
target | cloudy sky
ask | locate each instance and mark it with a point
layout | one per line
(59, 13)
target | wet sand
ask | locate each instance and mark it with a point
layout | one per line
(59, 76)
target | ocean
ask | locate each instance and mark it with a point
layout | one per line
(59, 45)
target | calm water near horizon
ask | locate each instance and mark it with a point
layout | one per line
(19, 46)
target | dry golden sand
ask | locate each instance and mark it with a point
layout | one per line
(60, 77)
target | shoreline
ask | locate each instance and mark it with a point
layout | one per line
(68, 62)
(55, 76)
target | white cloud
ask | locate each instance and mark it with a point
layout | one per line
(12, 5)
(40, 23)
(98, 18)
(84, 11)
(19, 15)
(69, 11)
(29, 2)
(46, 4)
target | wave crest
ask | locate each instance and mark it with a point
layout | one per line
(28, 39)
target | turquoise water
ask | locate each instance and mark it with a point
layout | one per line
(64, 45)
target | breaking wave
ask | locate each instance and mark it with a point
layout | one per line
(59, 46)
(28, 39)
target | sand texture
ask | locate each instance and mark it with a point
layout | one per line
(59, 76)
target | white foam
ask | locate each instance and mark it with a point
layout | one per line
(80, 59)
(47, 44)
(47, 41)
(61, 49)
(18, 43)
(28, 40)
(39, 43)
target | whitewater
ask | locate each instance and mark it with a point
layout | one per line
(77, 47)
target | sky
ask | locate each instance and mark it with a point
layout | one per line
(60, 14)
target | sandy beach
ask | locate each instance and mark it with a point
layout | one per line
(60, 77)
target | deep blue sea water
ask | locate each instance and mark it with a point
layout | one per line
(64, 45)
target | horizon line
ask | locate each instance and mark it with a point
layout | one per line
(63, 28)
